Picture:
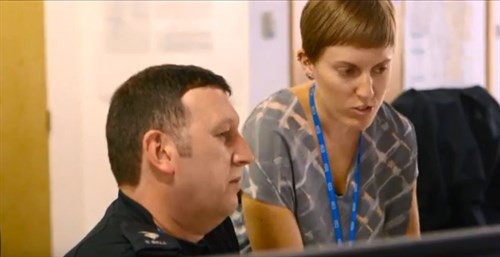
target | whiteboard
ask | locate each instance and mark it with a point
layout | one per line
(445, 44)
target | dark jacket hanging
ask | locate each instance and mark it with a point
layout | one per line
(458, 135)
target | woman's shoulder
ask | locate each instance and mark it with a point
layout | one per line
(388, 119)
(394, 143)
(276, 110)
(392, 130)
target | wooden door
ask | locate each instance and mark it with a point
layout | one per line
(24, 175)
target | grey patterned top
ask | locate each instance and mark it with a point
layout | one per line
(288, 172)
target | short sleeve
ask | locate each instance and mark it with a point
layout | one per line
(269, 178)
(399, 142)
(409, 139)
(398, 207)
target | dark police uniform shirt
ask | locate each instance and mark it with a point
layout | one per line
(128, 229)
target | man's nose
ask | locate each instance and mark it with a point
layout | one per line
(242, 154)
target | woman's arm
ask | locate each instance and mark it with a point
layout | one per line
(414, 224)
(270, 227)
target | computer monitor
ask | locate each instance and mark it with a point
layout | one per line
(472, 242)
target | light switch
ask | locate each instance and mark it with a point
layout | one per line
(268, 25)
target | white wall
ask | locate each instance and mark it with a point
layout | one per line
(66, 142)
(269, 54)
(298, 74)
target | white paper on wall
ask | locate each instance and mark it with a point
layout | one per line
(131, 35)
(444, 44)
(127, 27)
(179, 27)
(168, 26)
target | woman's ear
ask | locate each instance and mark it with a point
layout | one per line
(159, 151)
(306, 63)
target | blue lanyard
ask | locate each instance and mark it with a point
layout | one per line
(329, 179)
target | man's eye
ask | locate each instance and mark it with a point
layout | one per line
(224, 135)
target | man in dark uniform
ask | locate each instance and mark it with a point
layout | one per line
(176, 154)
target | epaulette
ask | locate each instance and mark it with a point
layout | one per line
(147, 241)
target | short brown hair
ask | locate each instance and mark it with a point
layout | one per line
(151, 99)
(358, 23)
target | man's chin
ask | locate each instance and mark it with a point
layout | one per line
(231, 205)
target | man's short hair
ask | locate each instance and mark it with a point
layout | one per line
(359, 23)
(151, 99)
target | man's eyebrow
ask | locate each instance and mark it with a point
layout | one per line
(223, 122)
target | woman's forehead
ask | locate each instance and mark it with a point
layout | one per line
(355, 55)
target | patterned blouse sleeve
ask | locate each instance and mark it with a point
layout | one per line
(398, 207)
(269, 178)
(410, 172)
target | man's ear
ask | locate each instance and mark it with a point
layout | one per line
(160, 151)
(306, 63)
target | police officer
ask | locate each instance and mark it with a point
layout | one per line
(176, 154)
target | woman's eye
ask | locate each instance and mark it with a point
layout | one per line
(347, 72)
(380, 70)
